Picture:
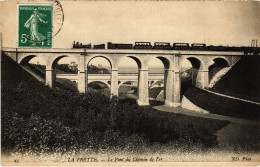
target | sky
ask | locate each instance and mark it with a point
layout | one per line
(95, 22)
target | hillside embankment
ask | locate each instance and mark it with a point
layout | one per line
(242, 81)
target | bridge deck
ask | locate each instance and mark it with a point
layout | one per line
(106, 77)
(122, 51)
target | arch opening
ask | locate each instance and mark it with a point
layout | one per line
(138, 62)
(99, 65)
(62, 65)
(196, 63)
(128, 73)
(32, 59)
(65, 65)
(157, 72)
(129, 65)
(101, 87)
(189, 73)
(27, 59)
(218, 68)
(127, 90)
(151, 83)
(35, 65)
(99, 75)
(165, 61)
(194, 70)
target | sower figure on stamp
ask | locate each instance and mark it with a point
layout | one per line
(32, 23)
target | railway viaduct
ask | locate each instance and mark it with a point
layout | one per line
(106, 78)
(202, 62)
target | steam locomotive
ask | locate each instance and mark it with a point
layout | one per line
(79, 45)
(167, 46)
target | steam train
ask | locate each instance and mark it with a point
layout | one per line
(79, 45)
(168, 46)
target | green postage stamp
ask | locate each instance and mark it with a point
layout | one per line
(35, 26)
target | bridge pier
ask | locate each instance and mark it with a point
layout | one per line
(82, 81)
(204, 78)
(114, 83)
(176, 82)
(168, 87)
(50, 78)
(177, 89)
(82, 75)
(143, 96)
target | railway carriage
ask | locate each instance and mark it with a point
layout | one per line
(198, 46)
(143, 45)
(181, 46)
(100, 46)
(111, 45)
(162, 45)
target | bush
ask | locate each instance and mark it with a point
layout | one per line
(38, 135)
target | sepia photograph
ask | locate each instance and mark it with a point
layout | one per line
(130, 83)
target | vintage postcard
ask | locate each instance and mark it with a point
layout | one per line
(130, 83)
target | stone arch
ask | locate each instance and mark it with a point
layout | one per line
(113, 82)
(51, 64)
(197, 65)
(166, 62)
(155, 82)
(218, 66)
(196, 62)
(101, 82)
(55, 61)
(140, 64)
(26, 59)
(50, 70)
(142, 88)
(129, 91)
(138, 61)
(166, 84)
(123, 82)
(223, 59)
(151, 83)
(103, 56)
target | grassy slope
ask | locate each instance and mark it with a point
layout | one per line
(222, 105)
(243, 80)
(41, 119)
